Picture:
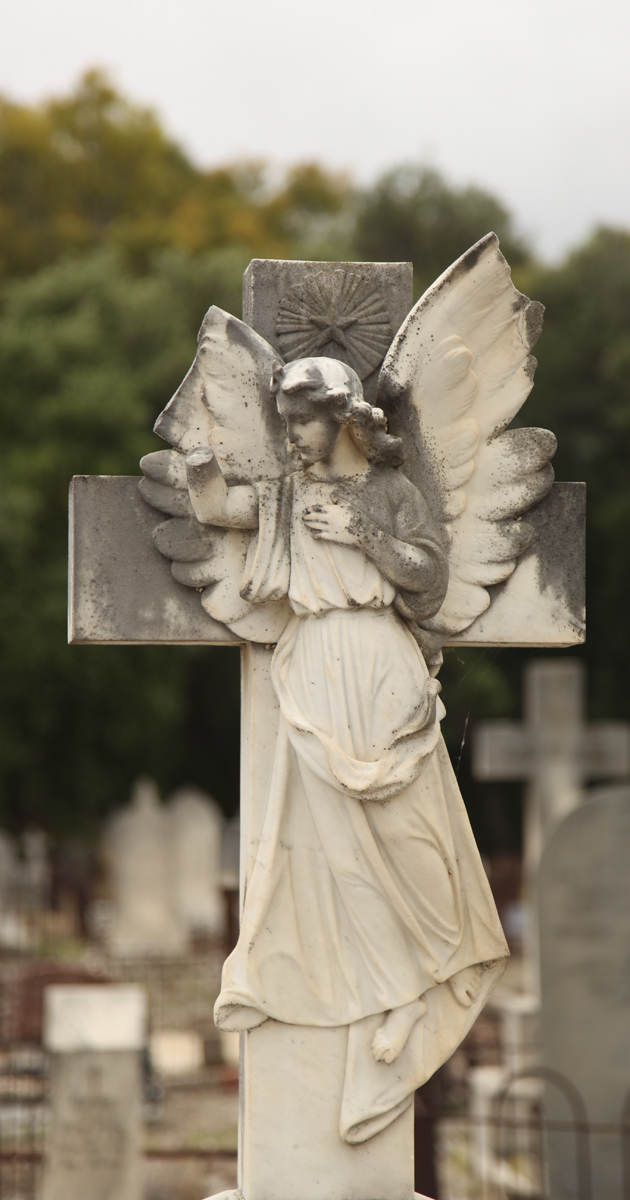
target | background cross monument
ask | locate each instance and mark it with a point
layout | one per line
(122, 591)
(555, 751)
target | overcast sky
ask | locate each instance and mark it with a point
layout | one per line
(531, 100)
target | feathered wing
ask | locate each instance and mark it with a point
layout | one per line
(224, 402)
(456, 375)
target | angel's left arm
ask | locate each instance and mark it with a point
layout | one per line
(410, 557)
(408, 566)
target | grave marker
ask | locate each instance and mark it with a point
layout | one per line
(292, 1083)
(95, 1036)
(584, 903)
(555, 752)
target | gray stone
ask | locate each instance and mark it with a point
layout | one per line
(543, 601)
(556, 752)
(95, 1144)
(269, 282)
(123, 592)
(95, 1136)
(584, 900)
(121, 588)
(282, 305)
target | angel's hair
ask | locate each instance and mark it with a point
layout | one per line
(334, 387)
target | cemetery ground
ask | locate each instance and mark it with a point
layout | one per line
(189, 1107)
(479, 1130)
(189, 1132)
(471, 1144)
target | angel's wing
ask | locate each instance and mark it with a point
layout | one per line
(456, 374)
(224, 402)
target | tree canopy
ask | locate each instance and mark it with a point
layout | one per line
(92, 169)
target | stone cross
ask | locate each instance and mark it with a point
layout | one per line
(555, 752)
(95, 1036)
(122, 591)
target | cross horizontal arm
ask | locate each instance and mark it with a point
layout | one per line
(507, 750)
(605, 750)
(120, 587)
(122, 590)
(502, 750)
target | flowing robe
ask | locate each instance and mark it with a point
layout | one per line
(367, 890)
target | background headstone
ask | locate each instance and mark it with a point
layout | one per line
(584, 903)
(140, 860)
(555, 751)
(197, 830)
(95, 1036)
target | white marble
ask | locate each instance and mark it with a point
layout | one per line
(93, 1017)
(293, 1080)
(369, 938)
(197, 833)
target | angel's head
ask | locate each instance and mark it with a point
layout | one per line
(319, 398)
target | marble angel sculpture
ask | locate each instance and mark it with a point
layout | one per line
(359, 538)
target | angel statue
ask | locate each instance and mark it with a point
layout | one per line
(359, 538)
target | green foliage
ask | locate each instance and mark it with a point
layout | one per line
(412, 214)
(582, 392)
(93, 168)
(89, 354)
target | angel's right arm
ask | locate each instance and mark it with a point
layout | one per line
(215, 503)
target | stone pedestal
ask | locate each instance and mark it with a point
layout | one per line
(290, 1100)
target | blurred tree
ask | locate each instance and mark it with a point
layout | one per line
(582, 392)
(89, 354)
(93, 168)
(413, 214)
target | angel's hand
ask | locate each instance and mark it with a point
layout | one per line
(340, 523)
(206, 485)
(213, 501)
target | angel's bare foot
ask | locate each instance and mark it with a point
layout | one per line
(466, 984)
(392, 1036)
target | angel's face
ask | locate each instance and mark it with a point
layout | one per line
(313, 433)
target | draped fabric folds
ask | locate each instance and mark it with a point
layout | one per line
(367, 889)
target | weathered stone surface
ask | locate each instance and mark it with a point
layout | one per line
(123, 590)
(381, 1000)
(269, 282)
(120, 587)
(584, 902)
(293, 1081)
(543, 602)
(95, 1035)
(95, 1136)
(555, 751)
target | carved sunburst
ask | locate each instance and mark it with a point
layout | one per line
(336, 315)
